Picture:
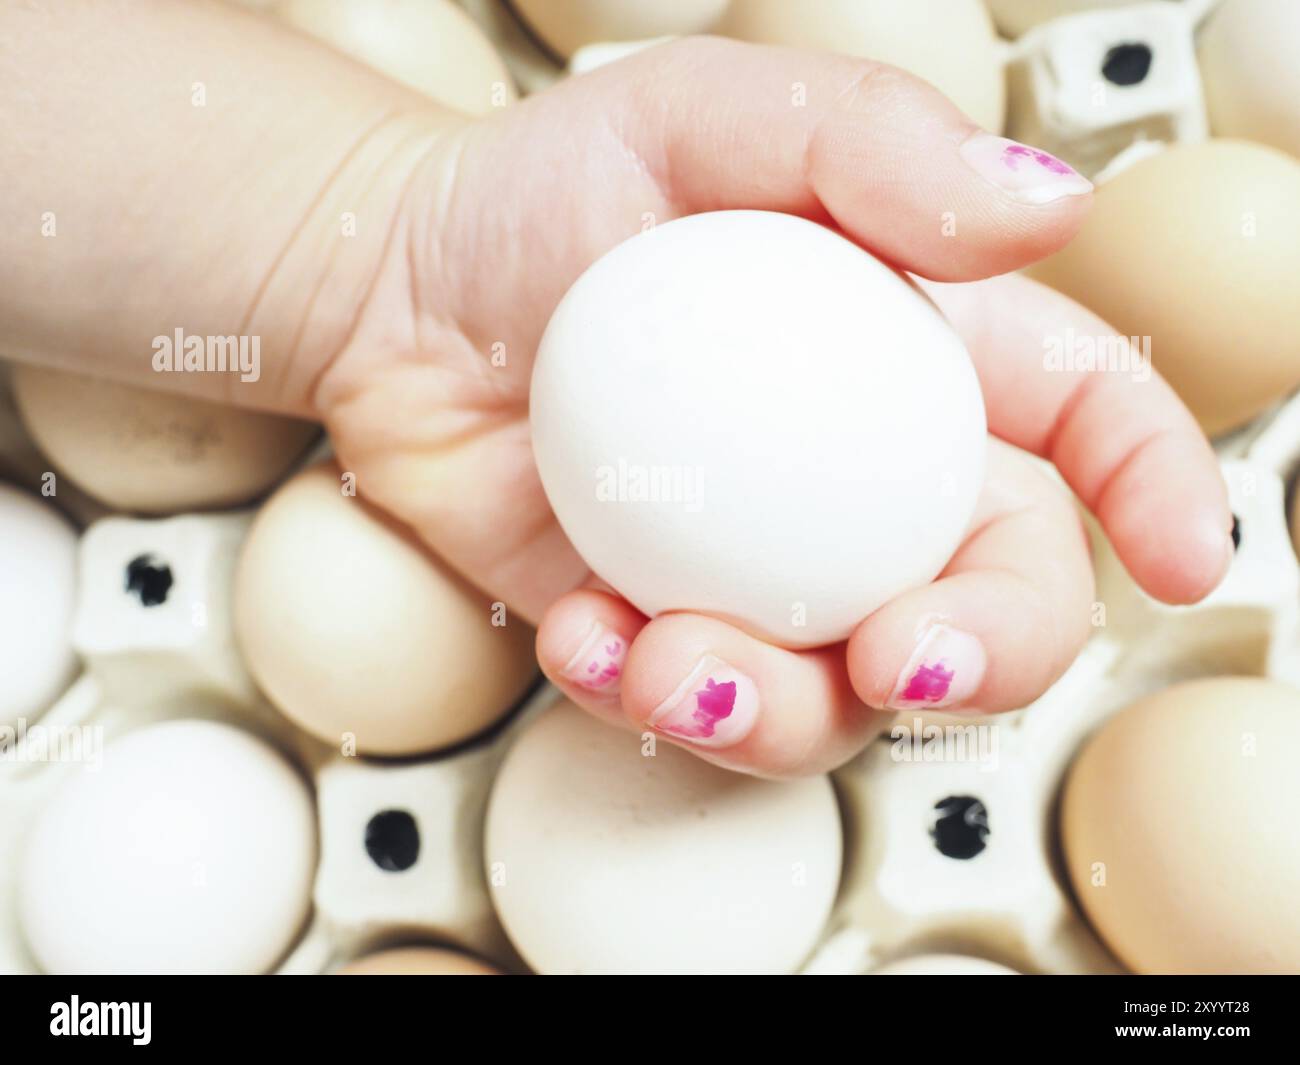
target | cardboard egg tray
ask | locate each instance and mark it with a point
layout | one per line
(949, 820)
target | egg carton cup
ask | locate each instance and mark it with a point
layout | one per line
(951, 835)
(153, 626)
(1087, 86)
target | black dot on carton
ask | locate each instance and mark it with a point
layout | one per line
(393, 840)
(1236, 532)
(961, 827)
(148, 578)
(1127, 64)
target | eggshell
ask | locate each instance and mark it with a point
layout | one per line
(745, 414)
(431, 46)
(943, 965)
(38, 569)
(355, 630)
(949, 43)
(1179, 829)
(189, 850)
(605, 855)
(154, 452)
(564, 26)
(1014, 17)
(1250, 64)
(1198, 248)
(417, 961)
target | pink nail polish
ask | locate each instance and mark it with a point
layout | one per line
(716, 706)
(598, 664)
(1030, 175)
(946, 668)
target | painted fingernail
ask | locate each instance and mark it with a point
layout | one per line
(1028, 174)
(598, 664)
(946, 668)
(716, 706)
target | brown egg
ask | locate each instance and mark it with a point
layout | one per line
(564, 26)
(354, 630)
(949, 43)
(431, 46)
(1248, 51)
(416, 961)
(1198, 248)
(154, 452)
(1180, 832)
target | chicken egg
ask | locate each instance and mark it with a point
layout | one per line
(746, 415)
(1179, 829)
(431, 46)
(1193, 253)
(356, 632)
(943, 965)
(38, 569)
(416, 961)
(608, 856)
(154, 452)
(189, 849)
(949, 43)
(564, 26)
(1250, 64)
(1014, 17)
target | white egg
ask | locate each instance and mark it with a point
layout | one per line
(746, 415)
(37, 594)
(567, 25)
(191, 848)
(943, 965)
(606, 858)
(1249, 52)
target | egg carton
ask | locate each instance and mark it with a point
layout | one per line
(400, 841)
(955, 852)
(1098, 84)
(949, 833)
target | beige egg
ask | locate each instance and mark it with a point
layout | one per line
(943, 965)
(352, 628)
(417, 961)
(431, 46)
(154, 452)
(1198, 249)
(612, 854)
(1014, 17)
(1180, 832)
(1250, 65)
(1295, 518)
(564, 26)
(949, 43)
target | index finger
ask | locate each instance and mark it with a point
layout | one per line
(1060, 384)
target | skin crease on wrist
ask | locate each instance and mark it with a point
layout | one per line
(200, 186)
(228, 217)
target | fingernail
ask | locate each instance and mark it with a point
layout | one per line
(598, 663)
(946, 668)
(1029, 175)
(716, 706)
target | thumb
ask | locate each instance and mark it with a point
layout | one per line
(715, 124)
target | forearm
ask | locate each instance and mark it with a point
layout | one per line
(186, 165)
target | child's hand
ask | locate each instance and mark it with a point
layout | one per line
(469, 234)
(511, 211)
